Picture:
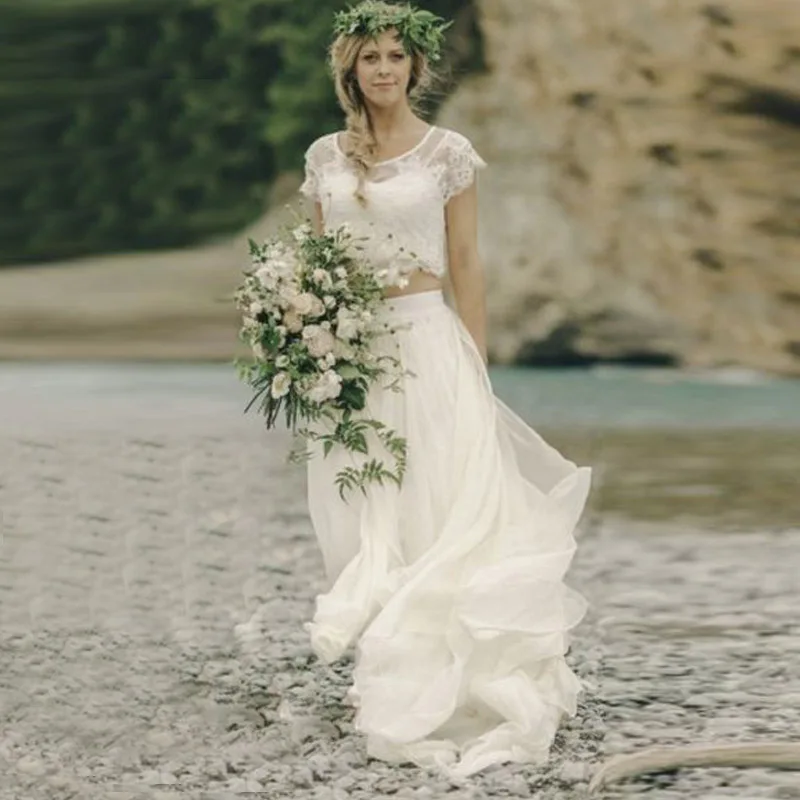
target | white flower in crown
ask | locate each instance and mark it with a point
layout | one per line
(280, 385)
(318, 341)
(340, 272)
(329, 300)
(282, 361)
(327, 387)
(255, 308)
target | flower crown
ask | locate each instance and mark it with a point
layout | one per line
(419, 30)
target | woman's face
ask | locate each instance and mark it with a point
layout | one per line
(383, 69)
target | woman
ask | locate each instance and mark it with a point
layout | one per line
(451, 585)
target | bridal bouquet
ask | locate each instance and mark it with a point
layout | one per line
(309, 306)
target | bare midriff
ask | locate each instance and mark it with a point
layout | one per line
(418, 281)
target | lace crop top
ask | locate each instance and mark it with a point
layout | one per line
(403, 223)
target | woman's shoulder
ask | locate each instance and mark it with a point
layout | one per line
(453, 136)
(453, 143)
(323, 147)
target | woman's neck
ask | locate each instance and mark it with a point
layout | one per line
(388, 122)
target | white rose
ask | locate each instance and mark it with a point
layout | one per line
(318, 341)
(286, 294)
(347, 326)
(343, 351)
(280, 385)
(283, 267)
(307, 305)
(302, 303)
(292, 322)
(322, 278)
(327, 387)
(266, 277)
(317, 307)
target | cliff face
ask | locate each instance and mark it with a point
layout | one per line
(643, 201)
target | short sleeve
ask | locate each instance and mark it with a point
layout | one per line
(460, 163)
(310, 187)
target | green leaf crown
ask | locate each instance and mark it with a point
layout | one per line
(418, 29)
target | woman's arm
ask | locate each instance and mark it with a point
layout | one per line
(316, 218)
(466, 272)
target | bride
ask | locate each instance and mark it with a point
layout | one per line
(449, 587)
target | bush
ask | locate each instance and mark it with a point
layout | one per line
(137, 124)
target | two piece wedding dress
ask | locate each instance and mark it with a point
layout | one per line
(450, 587)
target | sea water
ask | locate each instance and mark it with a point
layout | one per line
(606, 396)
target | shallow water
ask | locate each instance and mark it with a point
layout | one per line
(607, 397)
(716, 449)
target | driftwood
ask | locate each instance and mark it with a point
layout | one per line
(780, 755)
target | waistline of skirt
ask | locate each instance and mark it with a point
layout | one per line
(409, 306)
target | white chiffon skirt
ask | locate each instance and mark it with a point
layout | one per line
(450, 587)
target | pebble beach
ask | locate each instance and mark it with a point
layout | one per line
(157, 564)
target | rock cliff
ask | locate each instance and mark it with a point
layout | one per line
(643, 202)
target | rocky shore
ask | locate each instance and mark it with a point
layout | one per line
(156, 566)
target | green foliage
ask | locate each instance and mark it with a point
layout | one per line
(418, 29)
(302, 286)
(139, 124)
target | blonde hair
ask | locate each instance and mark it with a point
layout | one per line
(361, 145)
